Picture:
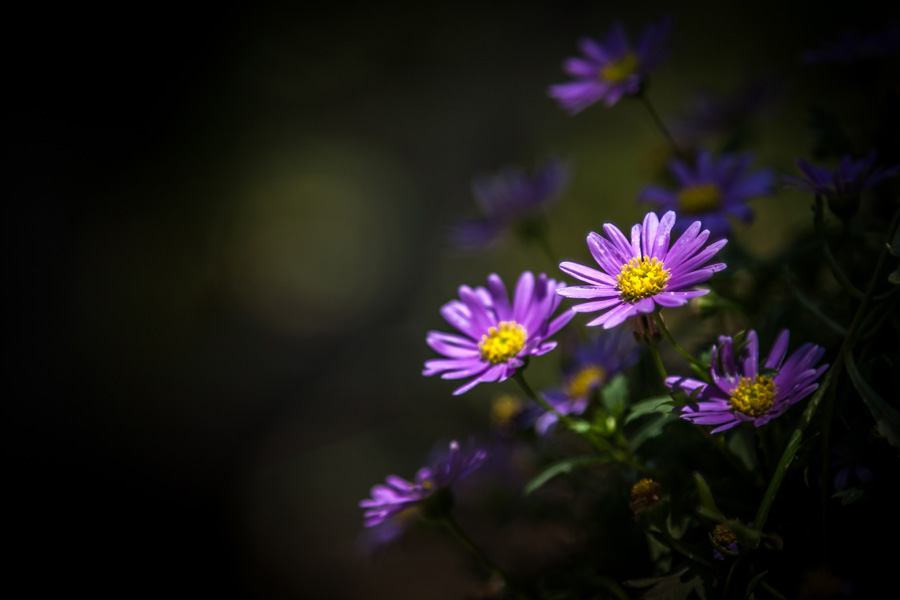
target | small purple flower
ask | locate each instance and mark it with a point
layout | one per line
(509, 197)
(725, 538)
(712, 190)
(851, 178)
(497, 335)
(852, 46)
(595, 363)
(641, 274)
(613, 68)
(709, 114)
(740, 393)
(399, 494)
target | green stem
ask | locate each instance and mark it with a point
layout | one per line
(772, 590)
(460, 535)
(599, 442)
(669, 338)
(654, 352)
(659, 123)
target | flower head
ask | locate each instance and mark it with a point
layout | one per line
(639, 274)
(851, 178)
(595, 363)
(742, 392)
(612, 68)
(509, 198)
(399, 495)
(724, 537)
(712, 190)
(497, 335)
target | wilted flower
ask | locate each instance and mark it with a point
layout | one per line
(497, 336)
(644, 494)
(595, 363)
(713, 190)
(852, 46)
(851, 178)
(612, 68)
(640, 274)
(509, 198)
(399, 494)
(725, 538)
(742, 392)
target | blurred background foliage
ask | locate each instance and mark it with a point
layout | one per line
(229, 239)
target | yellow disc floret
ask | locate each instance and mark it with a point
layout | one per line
(702, 198)
(503, 342)
(619, 70)
(723, 536)
(585, 380)
(753, 397)
(642, 278)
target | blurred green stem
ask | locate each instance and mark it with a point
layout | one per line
(642, 96)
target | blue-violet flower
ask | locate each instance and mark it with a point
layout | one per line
(740, 393)
(640, 274)
(612, 68)
(851, 178)
(497, 336)
(713, 189)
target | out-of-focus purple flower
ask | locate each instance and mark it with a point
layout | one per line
(713, 190)
(851, 178)
(847, 468)
(708, 114)
(643, 273)
(509, 198)
(741, 393)
(497, 335)
(612, 68)
(398, 494)
(852, 46)
(594, 364)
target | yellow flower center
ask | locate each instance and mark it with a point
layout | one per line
(584, 381)
(502, 343)
(753, 398)
(645, 488)
(723, 536)
(618, 71)
(702, 198)
(642, 278)
(505, 408)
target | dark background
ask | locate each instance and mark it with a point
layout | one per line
(227, 243)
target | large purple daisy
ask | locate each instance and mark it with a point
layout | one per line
(851, 178)
(596, 362)
(497, 335)
(740, 393)
(612, 68)
(713, 190)
(641, 274)
(507, 198)
(399, 494)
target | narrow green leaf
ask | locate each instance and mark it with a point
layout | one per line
(887, 418)
(566, 465)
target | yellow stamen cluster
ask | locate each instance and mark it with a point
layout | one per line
(723, 536)
(505, 408)
(584, 381)
(642, 278)
(503, 342)
(644, 494)
(753, 397)
(703, 198)
(618, 71)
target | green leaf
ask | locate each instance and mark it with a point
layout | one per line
(887, 418)
(706, 497)
(560, 467)
(848, 496)
(740, 443)
(615, 395)
(658, 404)
(651, 429)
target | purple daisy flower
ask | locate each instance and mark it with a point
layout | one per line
(639, 275)
(740, 393)
(613, 68)
(851, 178)
(595, 363)
(399, 494)
(508, 197)
(725, 538)
(713, 190)
(497, 335)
